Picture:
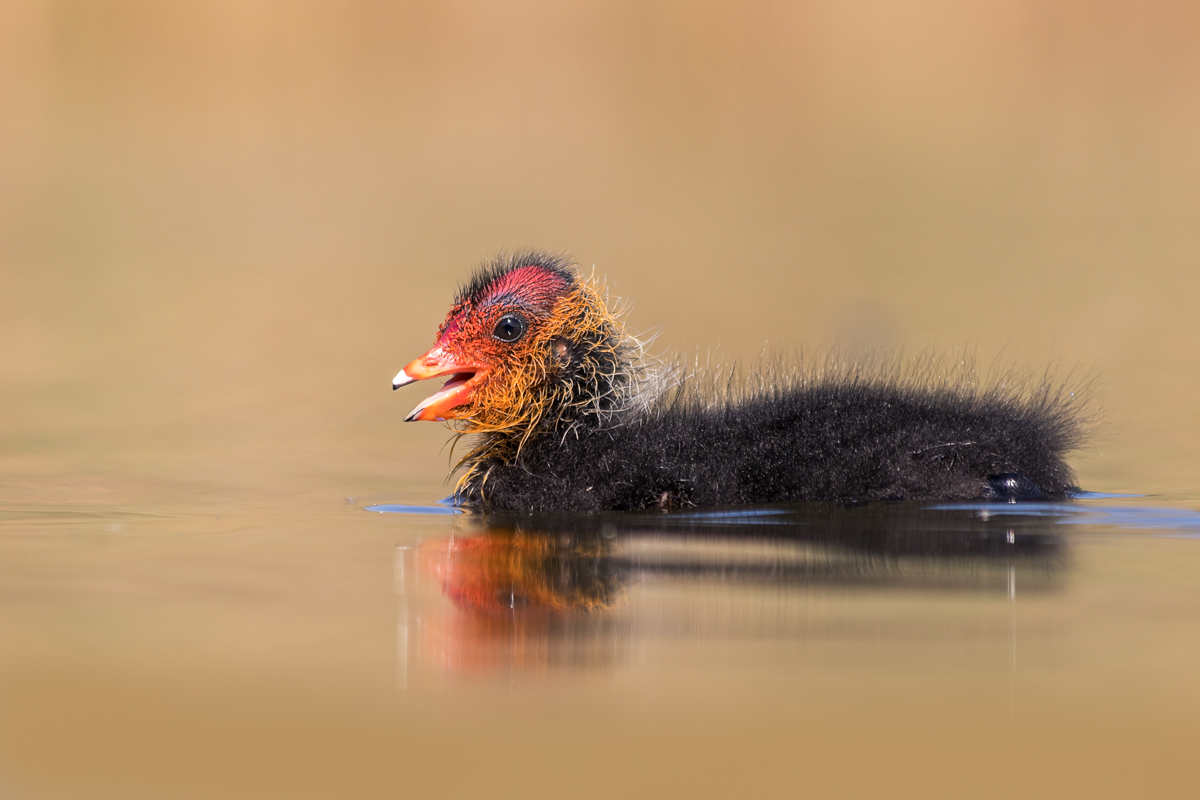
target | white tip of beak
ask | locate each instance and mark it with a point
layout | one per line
(402, 379)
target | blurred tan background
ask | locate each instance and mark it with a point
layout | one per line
(225, 225)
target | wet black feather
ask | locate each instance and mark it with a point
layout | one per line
(843, 438)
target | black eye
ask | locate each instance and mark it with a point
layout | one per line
(509, 328)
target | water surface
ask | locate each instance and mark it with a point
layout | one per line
(310, 648)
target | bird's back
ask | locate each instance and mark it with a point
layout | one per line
(840, 439)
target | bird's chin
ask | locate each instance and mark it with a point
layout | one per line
(450, 402)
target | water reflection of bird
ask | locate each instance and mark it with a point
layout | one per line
(532, 593)
(570, 416)
(531, 564)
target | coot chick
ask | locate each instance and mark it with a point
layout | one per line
(568, 416)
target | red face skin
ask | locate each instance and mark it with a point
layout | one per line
(470, 347)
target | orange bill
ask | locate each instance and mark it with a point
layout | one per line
(457, 391)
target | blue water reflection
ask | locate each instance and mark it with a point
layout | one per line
(396, 508)
(1083, 511)
(1180, 521)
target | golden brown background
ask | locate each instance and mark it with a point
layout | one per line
(225, 225)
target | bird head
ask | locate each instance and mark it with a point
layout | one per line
(526, 340)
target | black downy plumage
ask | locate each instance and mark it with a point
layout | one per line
(842, 433)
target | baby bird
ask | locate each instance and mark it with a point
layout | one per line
(567, 416)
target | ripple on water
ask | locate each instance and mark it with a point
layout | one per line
(1170, 521)
(1177, 521)
(397, 508)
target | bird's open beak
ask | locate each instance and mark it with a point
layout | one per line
(457, 392)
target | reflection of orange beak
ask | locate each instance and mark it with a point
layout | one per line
(457, 392)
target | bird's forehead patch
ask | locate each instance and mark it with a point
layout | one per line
(532, 285)
(450, 327)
